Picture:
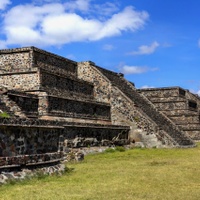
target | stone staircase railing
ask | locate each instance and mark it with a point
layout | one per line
(146, 106)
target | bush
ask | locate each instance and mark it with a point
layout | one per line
(4, 115)
(120, 148)
(109, 150)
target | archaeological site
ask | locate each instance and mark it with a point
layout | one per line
(49, 104)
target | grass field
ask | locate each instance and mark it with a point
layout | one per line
(168, 174)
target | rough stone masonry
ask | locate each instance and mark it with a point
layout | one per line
(49, 103)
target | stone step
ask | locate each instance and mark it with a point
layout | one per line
(191, 127)
(184, 119)
(180, 112)
(147, 107)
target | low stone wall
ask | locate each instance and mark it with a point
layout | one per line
(72, 108)
(76, 137)
(54, 63)
(162, 92)
(180, 105)
(20, 174)
(30, 160)
(27, 140)
(13, 61)
(19, 81)
(64, 83)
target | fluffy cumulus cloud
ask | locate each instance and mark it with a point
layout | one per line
(61, 23)
(4, 3)
(145, 49)
(136, 70)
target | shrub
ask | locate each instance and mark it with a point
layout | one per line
(109, 150)
(120, 148)
(4, 115)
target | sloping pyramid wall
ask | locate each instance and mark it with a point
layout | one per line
(91, 102)
(131, 108)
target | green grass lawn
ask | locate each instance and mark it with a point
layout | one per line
(168, 174)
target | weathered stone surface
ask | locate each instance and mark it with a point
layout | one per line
(56, 104)
(26, 173)
(180, 105)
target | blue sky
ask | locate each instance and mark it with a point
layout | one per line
(154, 43)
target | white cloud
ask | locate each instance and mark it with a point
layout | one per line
(4, 3)
(106, 8)
(52, 24)
(145, 49)
(136, 70)
(88, 6)
(128, 19)
(82, 5)
(133, 70)
(146, 86)
(108, 47)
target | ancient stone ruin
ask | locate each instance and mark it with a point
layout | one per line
(49, 103)
(179, 105)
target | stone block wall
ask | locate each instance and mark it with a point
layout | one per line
(53, 63)
(99, 136)
(15, 61)
(64, 83)
(73, 108)
(123, 110)
(19, 68)
(98, 133)
(68, 91)
(25, 140)
(28, 103)
(143, 128)
(165, 93)
(172, 105)
(18, 81)
(166, 126)
(102, 87)
(179, 105)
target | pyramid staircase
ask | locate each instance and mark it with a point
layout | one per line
(162, 121)
(180, 105)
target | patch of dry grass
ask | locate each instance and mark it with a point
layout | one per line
(152, 174)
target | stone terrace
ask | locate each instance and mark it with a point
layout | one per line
(49, 105)
(55, 102)
(180, 105)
